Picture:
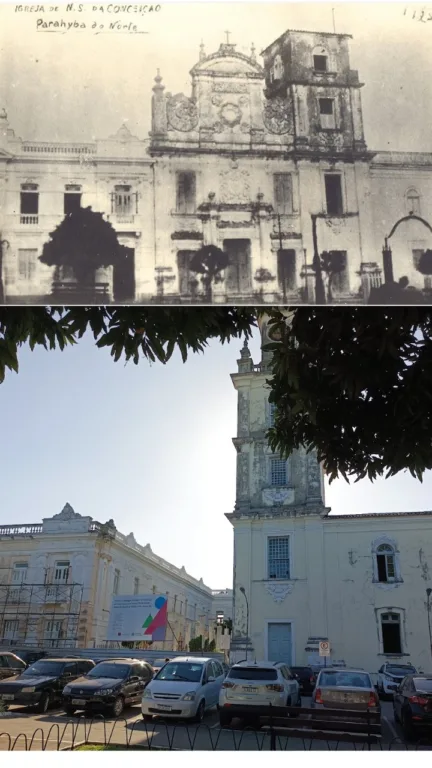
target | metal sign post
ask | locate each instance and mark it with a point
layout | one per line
(324, 650)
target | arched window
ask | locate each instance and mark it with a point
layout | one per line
(385, 556)
(386, 561)
(412, 198)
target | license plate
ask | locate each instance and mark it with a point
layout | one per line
(249, 689)
(165, 707)
(78, 701)
(7, 696)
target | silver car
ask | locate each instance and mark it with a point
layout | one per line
(342, 688)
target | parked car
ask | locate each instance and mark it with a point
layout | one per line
(306, 678)
(390, 677)
(185, 687)
(158, 664)
(412, 704)
(29, 656)
(10, 664)
(109, 686)
(345, 689)
(257, 684)
(42, 683)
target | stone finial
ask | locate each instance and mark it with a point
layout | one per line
(253, 52)
(245, 362)
(245, 351)
(67, 513)
(3, 114)
(158, 81)
(202, 53)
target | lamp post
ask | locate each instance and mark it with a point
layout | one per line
(428, 605)
(243, 591)
(387, 252)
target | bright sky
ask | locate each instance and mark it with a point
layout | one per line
(78, 85)
(149, 446)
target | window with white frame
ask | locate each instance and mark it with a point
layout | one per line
(391, 632)
(278, 471)
(10, 629)
(278, 557)
(61, 571)
(385, 562)
(19, 575)
(136, 585)
(53, 628)
(116, 584)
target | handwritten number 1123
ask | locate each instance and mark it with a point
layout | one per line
(421, 17)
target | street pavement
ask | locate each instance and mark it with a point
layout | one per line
(25, 731)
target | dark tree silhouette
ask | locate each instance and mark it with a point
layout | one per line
(424, 265)
(396, 294)
(209, 262)
(84, 242)
(332, 264)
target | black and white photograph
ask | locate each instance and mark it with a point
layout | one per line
(215, 153)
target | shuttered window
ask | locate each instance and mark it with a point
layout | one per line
(186, 192)
(283, 193)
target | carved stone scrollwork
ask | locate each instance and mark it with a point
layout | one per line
(279, 591)
(182, 113)
(329, 140)
(245, 128)
(230, 114)
(277, 116)
(225, 87)
(217, 99)
(235, 186)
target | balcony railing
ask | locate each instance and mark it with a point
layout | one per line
(50, 148)
(29, 219)
(20, 530)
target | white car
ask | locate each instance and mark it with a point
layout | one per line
(391, 675)
(185, 687)
(258, 683)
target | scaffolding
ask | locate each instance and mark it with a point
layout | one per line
(44, 614)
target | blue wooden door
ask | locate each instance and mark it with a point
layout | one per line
(280, 643)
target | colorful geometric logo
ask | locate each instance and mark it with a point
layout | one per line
(156, 625)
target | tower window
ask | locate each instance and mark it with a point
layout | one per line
(278, 471)
(186, 192)
(333, 190)
(278, 557)
(391, 633)
(327, 113)
(283, 193)
(320, 63)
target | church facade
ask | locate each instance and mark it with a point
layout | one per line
(301, 574)
(267, 161)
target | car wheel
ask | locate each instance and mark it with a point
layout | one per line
(407, 729)
(224, 719)
(118, 706)
(69, 710)
(199, 716)
(43, 704)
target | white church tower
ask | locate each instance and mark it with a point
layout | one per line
(279, 582)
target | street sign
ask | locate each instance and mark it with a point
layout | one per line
(324, 648)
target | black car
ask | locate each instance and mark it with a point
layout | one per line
(30, 656)
(109, 687)
(306, 678)
(10, 665)
(412, 705)
(41, 684)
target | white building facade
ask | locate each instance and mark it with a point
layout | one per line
(302, 575)
(58, 578)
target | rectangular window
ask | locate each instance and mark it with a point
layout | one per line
(27, 263)
(188, 281)
(219, 617)
(278, 471)
(333, 190)
(122, 201)
(320, 63)
(327, 113)
(11, 627)
(278, 557)
(29, 202)
(283, 193)
(72, 202)
(186, 192)
(271, 414)
(386, 568)
(136, 586)
(116, 584)
(61, 571)
(20, 573)
(340, 276)
(391, 633)
(286, 269)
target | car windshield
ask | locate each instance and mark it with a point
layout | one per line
(252, 673)
(344, 679)
(423, 684)
(158, 663)
(45, 668)
(181, 671)
(109, 670)
(400, 671)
